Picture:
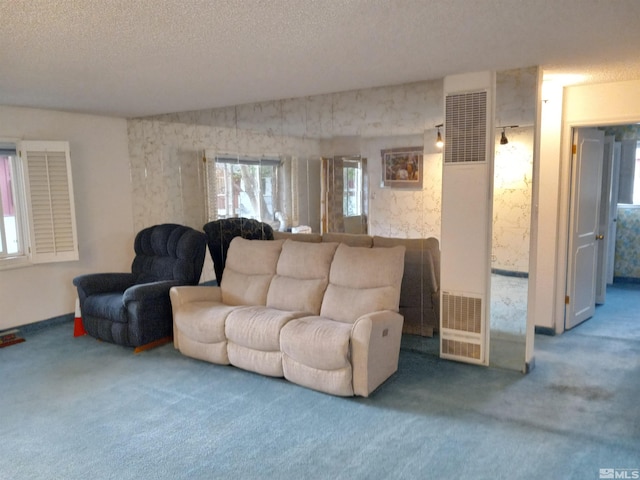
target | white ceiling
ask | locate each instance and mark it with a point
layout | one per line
(133, 58)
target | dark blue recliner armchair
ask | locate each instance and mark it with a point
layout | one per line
(134, 309)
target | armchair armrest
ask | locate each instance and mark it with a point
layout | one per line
(148, 291)
(375, 349)
(93, 283)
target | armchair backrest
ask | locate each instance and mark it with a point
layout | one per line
(169, 252)
(221, 232)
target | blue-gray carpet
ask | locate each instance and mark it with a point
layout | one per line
(75, 408)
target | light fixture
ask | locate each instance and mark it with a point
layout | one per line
(439, 142)
(503, 138)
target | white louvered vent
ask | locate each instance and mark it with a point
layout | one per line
(466, 127)
(462, 328)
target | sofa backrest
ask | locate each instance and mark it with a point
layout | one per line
(421, 265)
(302, 275)
(299, 237)
(220, 233)
(351, 239)
(363, 280)
(249, 269)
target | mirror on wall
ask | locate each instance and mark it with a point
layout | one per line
(513, 170)
(329, 176)
(344, 194)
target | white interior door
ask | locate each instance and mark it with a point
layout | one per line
(613, 213)
(586, 183)
(604, 220)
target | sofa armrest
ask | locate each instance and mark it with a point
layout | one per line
(187, 294)
(375, 349)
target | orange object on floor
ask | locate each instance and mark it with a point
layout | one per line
(78, 328)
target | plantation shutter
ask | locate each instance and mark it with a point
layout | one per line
(49, 197)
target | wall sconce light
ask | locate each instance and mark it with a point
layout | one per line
(503, 138)
(439, 142)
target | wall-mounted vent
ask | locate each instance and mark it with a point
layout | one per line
(466, 127)
(462, 332)
(458, 349)
(461, 313)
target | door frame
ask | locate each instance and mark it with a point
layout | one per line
(584, 244)
(564, 205)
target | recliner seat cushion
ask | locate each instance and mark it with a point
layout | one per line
(106, 305)
(203, 322)
(317, 342)
(253, 335)
(257, 327)
(316, 354)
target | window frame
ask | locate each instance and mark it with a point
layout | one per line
(214, 180)
(44, 204)
(352, 195)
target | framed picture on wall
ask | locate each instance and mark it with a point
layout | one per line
(402, 167)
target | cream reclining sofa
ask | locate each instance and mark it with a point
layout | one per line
(322, 315)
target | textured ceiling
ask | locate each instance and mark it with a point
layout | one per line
(143, 57)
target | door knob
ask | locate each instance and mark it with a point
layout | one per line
(599, 237)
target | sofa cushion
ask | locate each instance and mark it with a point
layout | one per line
(363, 280)
(106, 305)
(317, 342)
(257, 327)
(316, 354)
(203, 321)
(301, 277)
(250, 266)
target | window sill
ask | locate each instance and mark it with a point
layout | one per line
(14, 262)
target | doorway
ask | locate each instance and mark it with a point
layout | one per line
(598, 165)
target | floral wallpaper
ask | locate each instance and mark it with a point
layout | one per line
(627, 256)
(513, 172)
(168, 173)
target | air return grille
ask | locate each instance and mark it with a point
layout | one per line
(461, 313)
(462, 328)
(466, 127)
(456, 348)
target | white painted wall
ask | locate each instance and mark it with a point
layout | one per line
(548, 198)
(581, 105)
(102, 188)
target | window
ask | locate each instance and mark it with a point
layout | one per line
(38, 216)
(636, 177)
(245, 187)
(11, 228)
(352, 195)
